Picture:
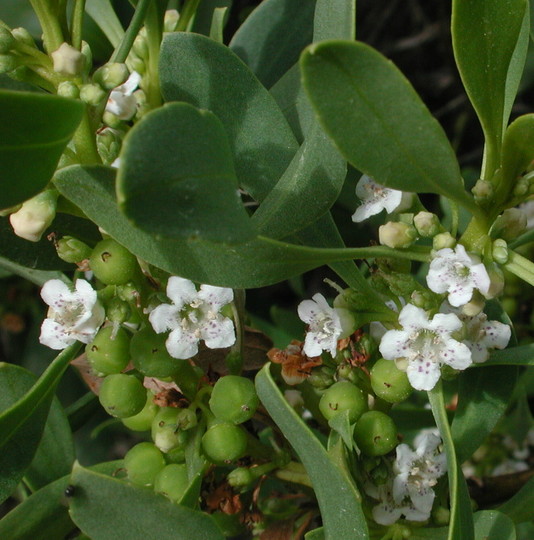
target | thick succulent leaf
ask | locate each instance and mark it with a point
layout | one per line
(135, 511)
(176, 177)
(31, 145)
(338, 498)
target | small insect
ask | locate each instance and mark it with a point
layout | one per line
(70, 491)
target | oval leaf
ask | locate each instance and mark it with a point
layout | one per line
(338, 498)
(176, 177)
(518, 149)
(136, 513)
(31, 144)
(377, 120)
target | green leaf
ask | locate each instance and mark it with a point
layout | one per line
(377, 120)
(341, 424)
(22, 421)
(483, 396)
(102, 12)
(492, 524)
(485, 35)
(44, 514)
(30, 144)
(200, 71)
(257, 263)
(39, 277)
(515, 356)
(520, 507)
(177, 179)
(272, 37)
(334, 19)
(518, 149)
(339, 501)
(220, 16)
(461, 521)
(316, 534)
(134, 512)
(205, 13)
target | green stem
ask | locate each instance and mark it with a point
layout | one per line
(187, 13)
(153, 25)
(78, 12)
(52, 34)
(85, 142)
(294, 472)
(521, 267)
(121, 52)
(476, 236)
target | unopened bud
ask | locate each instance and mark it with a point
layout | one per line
(140, 46)
(8, 62)
(7, 41)
(118, 311)
(68, 89)
(111, 120)
(483, 190)
(171, 20)
(108, 142)
(442, 241)
(22, 35)
(423, 299)
(427, 224)
(347, 320)
(35, 216)
(186, 419)
(474, 306)
(68, 60)
(111, 75)
(72, 250)
(240, 477)
(509, 225)
(87, 53)
(396, 235)
(92, 94)
(500, 251)
(137, 64)
(522, 186)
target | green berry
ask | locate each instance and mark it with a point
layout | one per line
(143, 462)
(172, 481)
(150, 356)
(224, 442)
(109, 354)
(166, 432)
(142, 421)
(122, 395)
(375, 433)
(112, 263)
(343, 396)
(388, 382)
(234, 399)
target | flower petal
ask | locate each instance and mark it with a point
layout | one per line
(56, 293)
(216, 297)
(181, 291)
(496, 335)
(423, 374)
(395, 344)
(218, 333)
(455, 354)
(182, 345)
(413, 318)
(164, 317)
(53, 335)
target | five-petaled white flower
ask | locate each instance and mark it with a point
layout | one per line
(481, 334)
(417, 473)
(424, 345)
(457, 273)
(121, 101)
(324, 326)
(376, 198)
(73, 315)
(192, 316)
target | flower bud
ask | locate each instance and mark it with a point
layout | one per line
(88, 55)
(92, 94)
(347, 320)
(423, 299)
(427, 224)
(240, 477)
(35, 216)
(522, 187)
(7, 41)
(111, 120)
(137, 64)
(68, 60)
(443, 240)
(171, 20)
(108, 142)
(500, 251)
(474, 306)
(68, 89)
(483, 191)
(22, 35)
(118, 311)
(111, 75)
(8, 62)
(509, 225)
(72, 250)
(140, 46)
(396, 234)
(186, 419)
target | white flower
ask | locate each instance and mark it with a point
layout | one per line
(121, 101)
(418, 472)
(192, 316)
(424, 345)
(376, 198)
(481, 334)
(458, 273)
(74, 315)
(324, 326)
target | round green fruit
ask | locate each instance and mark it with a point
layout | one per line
(234, 399)
(166, 432)
(143, 463)
(343, 396)
(172, 481)
(150, 356)
(388, 382)
(142, 421)
(112, 263)
(224, 442)
(109, 354)
(122, 395)
(375, 433)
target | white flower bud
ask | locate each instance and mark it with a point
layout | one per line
(68, 89)
(500, 251)
(483, 190)
(474, 306)
(442, 241)
(35, 216)
(396, 234)
(111, 75)
(92, 94)
(426, 224)
(68, 60)
(510, 224)
(171, 20)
